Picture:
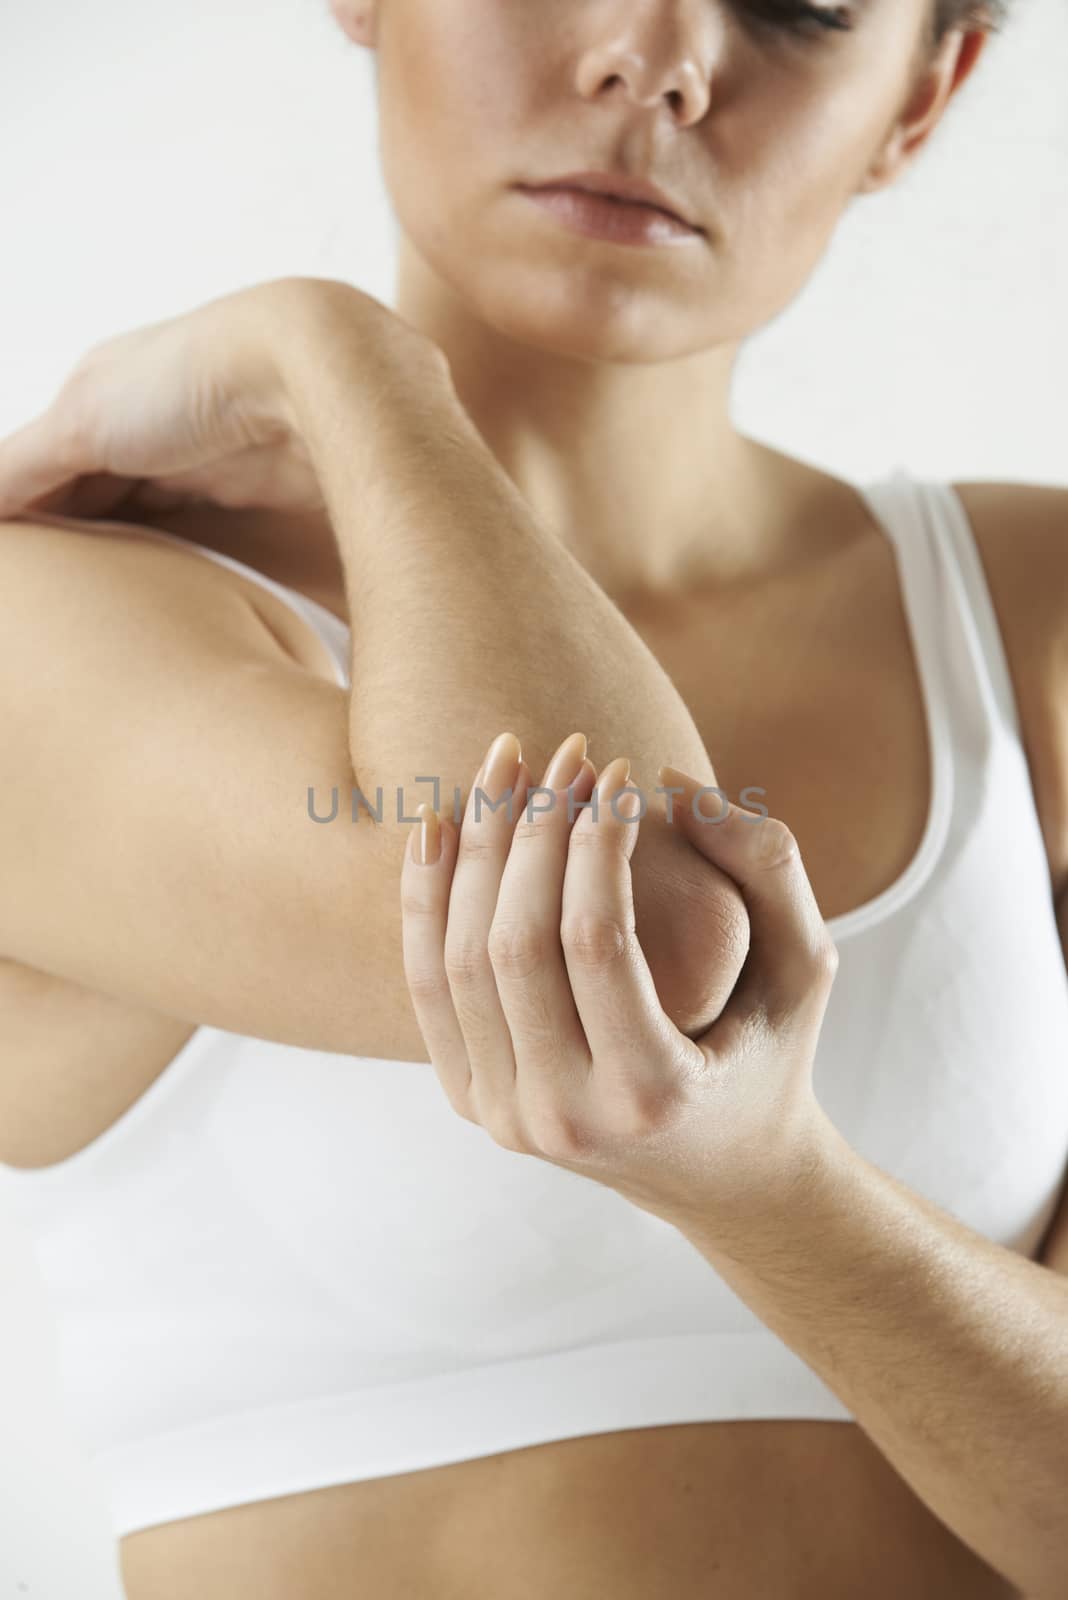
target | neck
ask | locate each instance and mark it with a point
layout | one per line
(635, 467)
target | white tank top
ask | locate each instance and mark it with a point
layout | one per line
(283, 1269)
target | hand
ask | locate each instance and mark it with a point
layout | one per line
(192, 408)
(543, 1024)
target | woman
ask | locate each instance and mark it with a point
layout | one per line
(332, 1338)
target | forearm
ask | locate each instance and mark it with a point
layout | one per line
(468, 619)
(950, 1351)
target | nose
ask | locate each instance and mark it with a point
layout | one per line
(659, 52)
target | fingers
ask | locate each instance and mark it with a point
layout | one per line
(524, 941)
(424, 894)
(792, 958)
(485, 836)
(35, 460)
(629, 1035)
(93, 495)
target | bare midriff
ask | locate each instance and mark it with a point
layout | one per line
(703, 1511)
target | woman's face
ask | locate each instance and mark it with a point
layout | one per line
(760, 120)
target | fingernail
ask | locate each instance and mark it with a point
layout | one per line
(612, 779)
(429, 845)
(500, 769)
(566, 764)
(672, 778)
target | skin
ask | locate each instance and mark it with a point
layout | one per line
(562, 348)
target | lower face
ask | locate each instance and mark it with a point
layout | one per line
(479, 98)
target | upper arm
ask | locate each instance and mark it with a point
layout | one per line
(1054, 1249)
(156, 842)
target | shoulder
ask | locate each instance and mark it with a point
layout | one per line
(1021, 534)
(68, 581)
(67, 586)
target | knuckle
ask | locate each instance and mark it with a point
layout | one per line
(426, 983)
(460, 1098)
(598, 837)
(645, 1110)
(504, 1129)
(557, 1133)
(475, 847)
(595, 940)
(466, 962)
(776, 845)
(528, 827)
(415, 900)
(517, 948)
(826, 958)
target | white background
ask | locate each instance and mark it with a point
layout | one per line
(153, 157)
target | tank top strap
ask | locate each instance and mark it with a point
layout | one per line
(951, 609)
(952, 527)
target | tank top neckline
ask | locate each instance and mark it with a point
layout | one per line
(912, 579)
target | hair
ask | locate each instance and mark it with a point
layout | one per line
(988, 15)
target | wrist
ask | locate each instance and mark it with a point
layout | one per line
(325, 337)
(802, 1183)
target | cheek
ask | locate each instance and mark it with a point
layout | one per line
(786, 167)
(453, 122)
(451, 86)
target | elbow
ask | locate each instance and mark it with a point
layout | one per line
(693, 927)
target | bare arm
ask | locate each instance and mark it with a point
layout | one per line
(467, 618)
(155, 842)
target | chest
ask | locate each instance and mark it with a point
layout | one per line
(810, 700)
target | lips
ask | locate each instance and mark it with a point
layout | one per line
(622, 199)
(623, 187)
(599, 216)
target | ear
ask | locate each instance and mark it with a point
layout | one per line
(937, 83)
(358, 19)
